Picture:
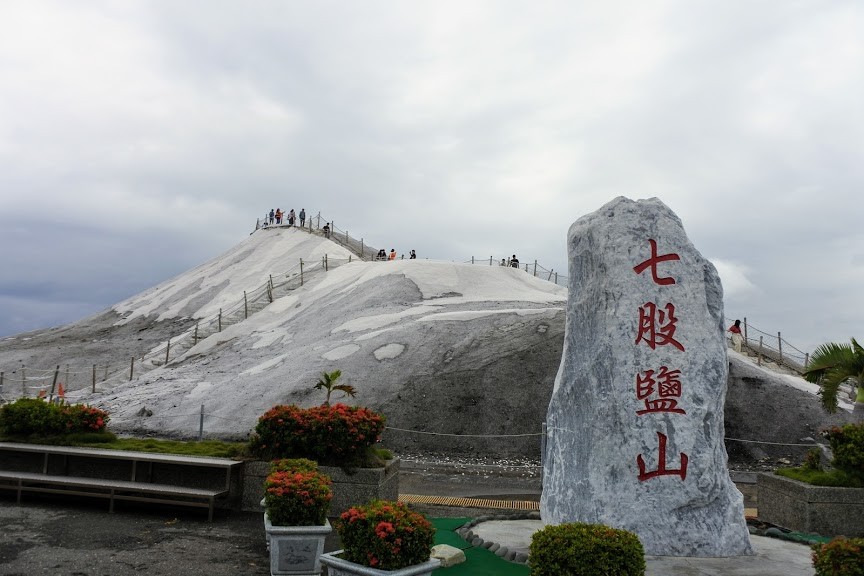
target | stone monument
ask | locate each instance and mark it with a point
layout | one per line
(635, 422)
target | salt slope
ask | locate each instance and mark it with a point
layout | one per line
(437, 347)
(220, 282)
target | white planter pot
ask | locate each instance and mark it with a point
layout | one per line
(336, 566)
(295, 550)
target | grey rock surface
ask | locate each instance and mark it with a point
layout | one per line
(635, 422)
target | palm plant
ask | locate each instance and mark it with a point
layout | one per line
(833, 364)
(328, 383)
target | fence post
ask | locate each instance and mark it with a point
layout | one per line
(201, 424)
(349, 258)
(325, 263)
(346, 238)
(490, 260)
(759, 355)
(23, 382)
(94, 379)
(780, 347)
(245, 305)
(526, 267)
(472, 260)
(542, 446)
(556, 278)
(535, 267)
(54, 384)
(195, 336)
(301, 270)
(361, 248)
(745, 329)
(220, 320)
(167, 350)
(806, 362)
(131, 368)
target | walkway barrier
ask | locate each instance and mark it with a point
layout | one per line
(773, 347)
(27, 381)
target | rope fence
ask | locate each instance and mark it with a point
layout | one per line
(773, 347)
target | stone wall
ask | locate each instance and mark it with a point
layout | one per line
(823, 510)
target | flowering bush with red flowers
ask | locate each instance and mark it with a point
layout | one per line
(83, 418)
(297, 496)
(331, 435)
(840, 557)
(385, 535)
(35, 416)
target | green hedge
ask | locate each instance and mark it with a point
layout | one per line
(586, 550)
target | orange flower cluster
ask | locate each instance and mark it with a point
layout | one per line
(385, 535)
(336, 434)
(297, 497)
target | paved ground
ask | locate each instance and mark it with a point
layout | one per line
(43, 536)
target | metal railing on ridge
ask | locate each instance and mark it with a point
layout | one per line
(774, 348)
(280, 284)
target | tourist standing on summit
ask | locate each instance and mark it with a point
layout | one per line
(413, 255)
(737, 337)
(272, 215)
(514, 262)
(302, 216)
(291, 217)
(278, 216)
(392, 254)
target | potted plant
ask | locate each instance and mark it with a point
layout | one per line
(296, 501)
(342, 439)
(382, 538)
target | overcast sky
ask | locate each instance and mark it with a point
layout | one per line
(139, 139)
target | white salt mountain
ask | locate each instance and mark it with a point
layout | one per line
(635, 422)
(438, 347)
(429, 344)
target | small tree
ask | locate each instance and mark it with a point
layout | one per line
(833, 364)
(328, 383)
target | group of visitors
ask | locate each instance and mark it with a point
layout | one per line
(382, 255)
(276, 216)
(513, 262)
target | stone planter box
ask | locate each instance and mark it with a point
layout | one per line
(295, 550)
(822, 510)
(336, 566)
(359, 487)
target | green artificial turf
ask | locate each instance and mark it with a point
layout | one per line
(478, 561)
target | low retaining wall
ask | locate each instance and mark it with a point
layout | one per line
(349, 489)
(823, 510)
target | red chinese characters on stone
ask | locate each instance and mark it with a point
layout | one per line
(659, 389)
(652, 263)
(661, 463)
(667, 384)
(657, 326)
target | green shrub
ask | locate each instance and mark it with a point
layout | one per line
(847, 444)
(385, 535)
(813, 460)
(28, 416)
(586, 550)
(837, 478)
(293, 465)
(337, 435)
(839, 557)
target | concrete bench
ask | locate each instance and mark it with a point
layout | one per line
(114, 474)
